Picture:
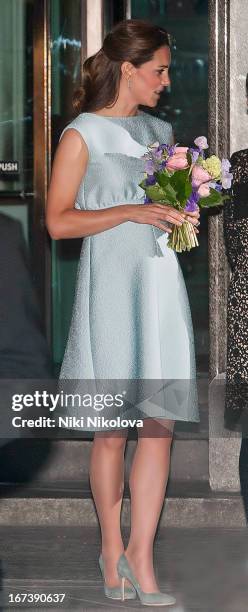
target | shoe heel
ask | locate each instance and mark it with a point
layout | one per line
(122, 588)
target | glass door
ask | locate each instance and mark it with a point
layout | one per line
(68, 35)
(40, 50)
(16, 112)
(24, 129)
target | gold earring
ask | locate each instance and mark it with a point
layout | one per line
(129, 81)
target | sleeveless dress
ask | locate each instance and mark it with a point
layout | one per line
(131, 320)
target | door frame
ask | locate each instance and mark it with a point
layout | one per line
(42, 154)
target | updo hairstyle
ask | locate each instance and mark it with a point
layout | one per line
(132, 40)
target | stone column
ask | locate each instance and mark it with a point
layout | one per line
(228, 129)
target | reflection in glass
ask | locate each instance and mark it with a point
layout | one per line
(186, 103)
(66, 66)
(113, 12)
(16, 95)
(66, 61)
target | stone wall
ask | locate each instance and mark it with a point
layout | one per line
(238, 71)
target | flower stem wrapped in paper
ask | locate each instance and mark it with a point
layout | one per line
(181, 177)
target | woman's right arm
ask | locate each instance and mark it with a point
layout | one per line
(65, 221)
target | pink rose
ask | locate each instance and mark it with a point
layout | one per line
(204, 190)
(178, 161)
(199, 176)
(181, 149)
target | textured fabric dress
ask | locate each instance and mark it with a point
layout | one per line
(236, 239)
(131, 318)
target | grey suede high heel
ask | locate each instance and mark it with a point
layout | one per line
(115, 592)
(147, 599)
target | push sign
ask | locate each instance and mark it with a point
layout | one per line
(9, 167)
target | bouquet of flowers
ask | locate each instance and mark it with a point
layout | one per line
(183, 178)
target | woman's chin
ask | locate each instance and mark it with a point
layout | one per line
(152, 102)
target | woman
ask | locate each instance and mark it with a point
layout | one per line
(131, 316)
(236, 240)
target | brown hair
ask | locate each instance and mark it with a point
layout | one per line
(132, 40)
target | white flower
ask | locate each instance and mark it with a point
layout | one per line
(155, 145)
(201, 142)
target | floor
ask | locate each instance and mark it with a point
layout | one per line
(206, 569)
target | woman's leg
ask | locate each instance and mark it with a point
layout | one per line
(243, 473)
(107, 484)
(148, 480)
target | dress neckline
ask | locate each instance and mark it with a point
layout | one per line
(116, 116)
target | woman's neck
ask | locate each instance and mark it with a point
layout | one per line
(119, 110)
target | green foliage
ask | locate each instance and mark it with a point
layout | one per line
(171, 196)
(214, 199)
(189, 158)
(156, 193)
(182, 185)
(162, 178)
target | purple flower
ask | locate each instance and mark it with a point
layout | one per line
(150, 166)
(163, 164)
(194, 154)
(171, 149)
(192, 202)
(215, 186)
(226, 176)
(150, 180)
(147, 200)
(225, 164)
(165, 148)
(201, 142)
(158, 154)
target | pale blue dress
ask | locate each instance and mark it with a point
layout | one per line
(131, 317)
